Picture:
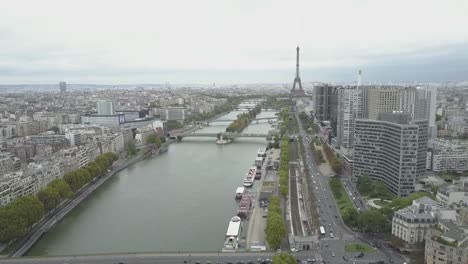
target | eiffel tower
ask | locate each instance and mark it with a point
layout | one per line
(297, 92)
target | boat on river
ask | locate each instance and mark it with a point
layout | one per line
(231, 243)
(250, 177)
(239, 192)
(245, 205)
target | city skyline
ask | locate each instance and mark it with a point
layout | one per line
(232, 41)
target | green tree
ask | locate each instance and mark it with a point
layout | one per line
(84, 176)
(62, 188)
(275, 230)
(94, 169)
(131, 149)
(12, 225)
(154, 139)
(364, 185)
(74, 180)
(372, 221)
(29, 208)
(284, 258)
(350, 217)
(49, 197)
(17, 217)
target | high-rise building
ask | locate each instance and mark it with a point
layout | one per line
(391, 149)
(385, 99)
(325, 103)
(349, 108)
(419, 102)
(177, 113)
(105, 107)
(63, 87)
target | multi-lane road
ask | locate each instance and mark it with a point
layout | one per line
(332, 246)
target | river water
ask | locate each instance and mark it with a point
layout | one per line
(179, 201)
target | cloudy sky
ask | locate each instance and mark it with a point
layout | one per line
(238, 41)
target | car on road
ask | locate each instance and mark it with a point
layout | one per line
(345, 258)
(360, 255)
(333, 254)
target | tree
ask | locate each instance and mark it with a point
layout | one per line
(284, 258)
(29, 208)
(350, 217)
(17, 217)
(84, 176)
(154, 139)
(372, 221)
(364, 185)
(275, 230)
(49, 197)
(131, 149)
(74, 180)
(62, 188)
(94, 169)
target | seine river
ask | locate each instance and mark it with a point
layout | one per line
(179, 201)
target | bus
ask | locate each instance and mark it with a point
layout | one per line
(322, 230)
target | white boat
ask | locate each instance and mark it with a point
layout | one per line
(250, 177)
(248, 182)
(239, 192)
(261, 153)
(232, 235)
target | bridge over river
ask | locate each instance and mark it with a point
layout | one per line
(256, 119)
(225, 135)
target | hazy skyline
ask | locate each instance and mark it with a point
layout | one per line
(207, 41)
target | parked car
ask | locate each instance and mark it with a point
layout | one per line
(360, 255)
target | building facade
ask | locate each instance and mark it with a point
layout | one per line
(105, 107)
(411, 224)
(325, 103)
(392, 150)
(349, 109)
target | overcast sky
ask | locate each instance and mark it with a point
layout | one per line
(241, 41)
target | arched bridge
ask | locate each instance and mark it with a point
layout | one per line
(226, 135)
(256, 119)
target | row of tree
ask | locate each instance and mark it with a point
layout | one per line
(275, 228)
(18, 217)
(230, 104)
(243, 120)
(284, 166)
(285, 118)
(335, 162)
(308, 122)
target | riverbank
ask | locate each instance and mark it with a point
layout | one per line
(49, 221)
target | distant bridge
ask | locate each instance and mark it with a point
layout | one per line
(256, 119)
(226, 135)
